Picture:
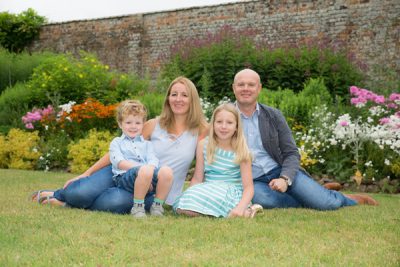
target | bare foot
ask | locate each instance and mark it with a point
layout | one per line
(363, 199)
(333, 186)
(52, 201)
(39, 194)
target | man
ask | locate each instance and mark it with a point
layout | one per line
(279, 182)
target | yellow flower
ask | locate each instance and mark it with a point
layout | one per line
(106, 67)
(80, 75)
(65, 69)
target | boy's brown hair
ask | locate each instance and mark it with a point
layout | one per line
(130, 107)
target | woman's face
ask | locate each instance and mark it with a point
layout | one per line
(179, 99)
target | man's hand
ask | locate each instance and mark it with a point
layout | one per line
(279, 185)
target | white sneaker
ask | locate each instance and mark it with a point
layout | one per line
(138, 211)
(156, 209)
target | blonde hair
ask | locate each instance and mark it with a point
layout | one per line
(130, 107)
(238, 140)
(195, 120)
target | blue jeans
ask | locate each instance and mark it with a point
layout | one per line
(127, 180)
(303, 193)
(99, 192)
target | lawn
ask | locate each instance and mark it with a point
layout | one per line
(33, 235)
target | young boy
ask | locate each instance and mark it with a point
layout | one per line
(134, 164)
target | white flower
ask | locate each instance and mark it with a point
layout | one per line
(387, 162)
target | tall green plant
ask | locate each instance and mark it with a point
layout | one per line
(18, 31)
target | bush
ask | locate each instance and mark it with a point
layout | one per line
(85, 152)
(211, 62)
(298, 107)
(14, 102)
(18, 67)
(153, 102)
(20, 150)
(18, 31)
(54, 148)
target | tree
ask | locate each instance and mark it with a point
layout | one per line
(18, 31)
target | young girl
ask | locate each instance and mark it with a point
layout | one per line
(222, 184)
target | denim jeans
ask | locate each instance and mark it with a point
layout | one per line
(99, 192)
(303, 193)
(127, 180)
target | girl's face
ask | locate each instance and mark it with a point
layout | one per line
(179, 99)
(225, 125)
(132, 126)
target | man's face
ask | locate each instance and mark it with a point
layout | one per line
(246, 87)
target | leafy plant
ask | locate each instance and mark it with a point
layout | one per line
(18, 31)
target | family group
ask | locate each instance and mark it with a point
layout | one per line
(246, 160)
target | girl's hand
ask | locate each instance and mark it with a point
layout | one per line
(279, 185)
(236, 212)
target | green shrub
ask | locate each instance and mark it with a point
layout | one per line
(85, 152)
(18, 31)
(18, 67)
(153, 102)
(211, 62)
(14, 103)
(20, 149)
(54, 148)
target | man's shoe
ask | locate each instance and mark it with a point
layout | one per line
(157, 209)
(333, 186)
(138, 211)
(363, 199)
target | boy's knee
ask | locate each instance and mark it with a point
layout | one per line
(165, 173)
(146, 171)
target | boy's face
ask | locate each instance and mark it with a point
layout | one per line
(132, 125)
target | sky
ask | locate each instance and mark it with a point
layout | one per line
(67, 10)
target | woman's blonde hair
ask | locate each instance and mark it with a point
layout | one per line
(195, 119)
(238, 140)
(130, 107)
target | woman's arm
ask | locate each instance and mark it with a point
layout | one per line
(248, 190)
(148, 128)
(101, 163)
(198, 175)
(203, 133)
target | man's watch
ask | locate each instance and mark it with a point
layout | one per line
(287, 179)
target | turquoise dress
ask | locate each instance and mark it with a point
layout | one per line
(221, 190)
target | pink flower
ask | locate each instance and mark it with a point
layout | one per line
(384, 121)
(394, 97)
(29, 126)
(354, 90)
(344, 123)
(392, 105)
(380, 99)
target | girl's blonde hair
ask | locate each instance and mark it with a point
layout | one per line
(130, 107)
(238, 140)
(195, 120)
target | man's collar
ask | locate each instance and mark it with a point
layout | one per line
(242, 114)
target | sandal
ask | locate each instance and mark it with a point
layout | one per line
(35, 196)
(254, 209)
(51, 201)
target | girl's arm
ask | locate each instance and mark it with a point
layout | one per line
(101, 163)
(198, 175)
(248, 190)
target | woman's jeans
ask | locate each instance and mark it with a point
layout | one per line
(304, 192)
(99, 192)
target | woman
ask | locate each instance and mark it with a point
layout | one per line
(174, 134)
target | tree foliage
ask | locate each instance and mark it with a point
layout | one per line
(18, 31)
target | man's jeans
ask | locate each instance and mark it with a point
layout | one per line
(304, 192)
(99, 192)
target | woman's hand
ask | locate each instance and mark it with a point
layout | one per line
(67, 183)
(279, 185)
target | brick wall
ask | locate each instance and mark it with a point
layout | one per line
(368, 28)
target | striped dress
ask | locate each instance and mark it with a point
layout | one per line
(221, 190)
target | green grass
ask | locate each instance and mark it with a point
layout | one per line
(33, 235)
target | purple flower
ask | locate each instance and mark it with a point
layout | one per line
(29, 126)
(394, 97)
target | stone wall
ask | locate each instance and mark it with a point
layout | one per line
(137, 43)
